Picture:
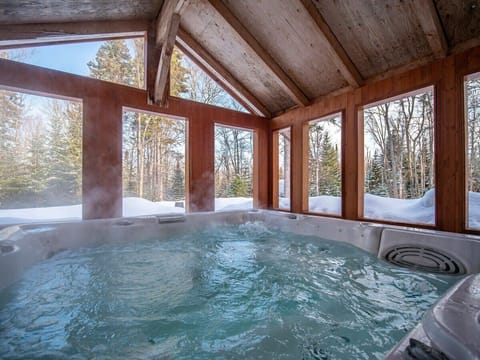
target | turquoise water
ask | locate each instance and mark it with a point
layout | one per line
(232, 293)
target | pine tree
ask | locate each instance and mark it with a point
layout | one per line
(113, 62)
(178, 74)
(374, 181)
(177, 190)
(74, 122)
(330, 170)
(37, 164)
(238, 187)
(62, 178)
(12, 171)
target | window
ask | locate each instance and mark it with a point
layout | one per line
(153, 164)
(40, 158)
(119, 61)
(190, 82)
(233, 168)
(325, 165)
(472, 116)
(282, 178)
(399, 174)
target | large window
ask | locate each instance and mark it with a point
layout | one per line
(188, 81)
(119, 61)
(282, 174)
(233, 168)
(153, 164)
(472, 115)
(399, 159)
(325, 165)
(40, 158)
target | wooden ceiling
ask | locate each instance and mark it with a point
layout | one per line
(272, 55)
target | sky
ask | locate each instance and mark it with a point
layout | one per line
(71, 58)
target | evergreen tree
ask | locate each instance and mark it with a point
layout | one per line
(178, 183)
(12, 170)
(113, 62)
(238, 187)
(62, 180)
(37, 164)
(330, 170)
(178, 74)
(74, 122)
(374, 182)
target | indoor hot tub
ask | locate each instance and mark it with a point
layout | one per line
(257, 284)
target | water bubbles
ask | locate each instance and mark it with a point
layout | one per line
(254, 229)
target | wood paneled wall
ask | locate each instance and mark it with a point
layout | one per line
(447, 77)
(103, 104)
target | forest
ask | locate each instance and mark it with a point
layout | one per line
(324, 157)
(399, 147)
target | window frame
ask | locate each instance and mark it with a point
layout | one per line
(306, 166)
(361, 156)
(276, 169)
(465, 78)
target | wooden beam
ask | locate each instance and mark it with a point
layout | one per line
(218, 73)
(283, 79)
(169, 8)
(163, 72)
(24, 35)
(336, 51)
(152, 59)
(430, 22)
(168, 22)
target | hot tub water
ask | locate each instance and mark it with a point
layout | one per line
(228, 292)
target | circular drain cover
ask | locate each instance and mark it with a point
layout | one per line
(424, 259)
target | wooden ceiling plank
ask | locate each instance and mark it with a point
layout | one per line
(336, 51)
(284, 80)
(167, 25)
(25, 35)
(430, 22)
(218, 72)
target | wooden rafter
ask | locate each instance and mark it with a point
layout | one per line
(336, 51)
(24, 35)
(428, 17)
(167, 25)
(284, 80)
(217, 72)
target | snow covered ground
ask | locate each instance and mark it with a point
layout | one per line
(131, 207)
(376, 207)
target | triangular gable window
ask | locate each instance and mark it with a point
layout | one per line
(188, 81)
